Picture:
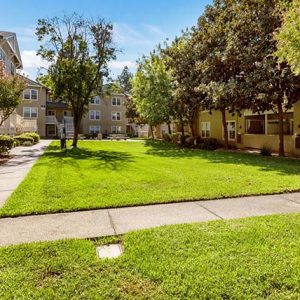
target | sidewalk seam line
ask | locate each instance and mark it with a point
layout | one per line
(111, 222)
(289, 200)
(210, 211)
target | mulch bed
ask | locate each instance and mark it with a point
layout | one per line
(4, 158)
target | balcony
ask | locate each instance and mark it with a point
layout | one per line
(68, 120)
(51, 120)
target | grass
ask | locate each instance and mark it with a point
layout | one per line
(114, 174)
(255, 258)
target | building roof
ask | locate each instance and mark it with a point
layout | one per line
(10, 40)
(31, 82)
(57, 104)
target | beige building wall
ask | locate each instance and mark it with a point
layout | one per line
(244, 140)
(106, 108)
(39, 104)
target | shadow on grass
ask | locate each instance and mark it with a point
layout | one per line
(284, 166)
(101, 159)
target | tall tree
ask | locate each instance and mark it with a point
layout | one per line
(180, 61)
(78, 51)
(288, 37)
(270, 83)
(152, 90)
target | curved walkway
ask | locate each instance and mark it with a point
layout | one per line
(14, 171)
(105, 222)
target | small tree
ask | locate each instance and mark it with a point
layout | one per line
(152, 90)
(11, 88)
(78, 51)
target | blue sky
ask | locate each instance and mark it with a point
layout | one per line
(139, 25)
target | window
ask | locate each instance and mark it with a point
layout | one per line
(30, 94)
(255, 124)
(96, 100)
(95, 115)
(116, 101)
(205, 129)
(231, 130)
(94, 129)
(288, 124)
(116, 116)
(116, 129)
(51, 113)
(30, 112)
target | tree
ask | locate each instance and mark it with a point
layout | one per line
(288, 38)
(186, 100)
(152, 90)
(78, 51)
(270, 83)
(11, 88)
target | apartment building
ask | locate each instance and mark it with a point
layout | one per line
(253, 130)
(106, 115)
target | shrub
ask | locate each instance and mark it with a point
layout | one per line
(27, 144)
(265, 151)
(189, 142)
(6, 143)
(24, 138)
(35, 136)
(175, 138)
(167, 137)
(210, 144)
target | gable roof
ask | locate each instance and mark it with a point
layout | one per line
(9, 39)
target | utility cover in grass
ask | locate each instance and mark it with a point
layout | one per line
(110, 251)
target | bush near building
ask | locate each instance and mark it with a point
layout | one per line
(6, 143)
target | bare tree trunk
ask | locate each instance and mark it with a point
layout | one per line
(151, 129)
(281, 128)
(225, 129)
(192, 127)
(76, 123)
(169, 128)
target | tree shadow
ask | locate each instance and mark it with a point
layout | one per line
(101, 159)
(285, 166)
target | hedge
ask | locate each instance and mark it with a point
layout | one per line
(35, 136)
(6, 143)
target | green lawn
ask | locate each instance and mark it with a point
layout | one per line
(256, 258)
(111, 174)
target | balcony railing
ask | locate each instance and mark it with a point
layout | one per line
(51, 120)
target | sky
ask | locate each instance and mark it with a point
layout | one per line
(139, 25)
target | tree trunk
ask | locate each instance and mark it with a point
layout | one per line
(281, 128)
(169, 128)
(225, 129)
(151, 129)
(192, 127)
(76, 124)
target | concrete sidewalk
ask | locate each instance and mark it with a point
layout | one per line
(105, 222)
(14, 171)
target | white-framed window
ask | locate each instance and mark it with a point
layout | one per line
(30, 94)
(205, 129)
(116, 116)
(30, 112)
(95, 114)
(116, 101)
(116, 129)
(96, 100)
(231, 130)
(95, 129)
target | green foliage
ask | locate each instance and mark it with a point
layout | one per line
(265, 151)
(78, 51)
(209, 144)
(6, 143)
(24, 138)
(11, 88)
(253, 258)
(147, 172)
(33, 135)
(289, 38)
(152, 90)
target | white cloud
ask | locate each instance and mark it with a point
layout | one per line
(31, 60)
(120, 64)
(154, 29)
